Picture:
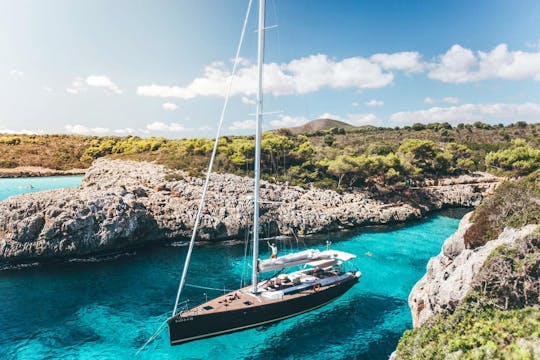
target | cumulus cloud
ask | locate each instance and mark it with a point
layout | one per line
(470, 113)
(171, 127)
(81, 129)
(243, 125)
(329, 116)
(248, 101)
(124, 131)
(16, 72)
(81, 84)
(300, 76)
(4, 130)
(407, 61)
(103, 82)
(355, 103)
(460, 65)
(375, 103)
(446, 99)
(169, 106)
(85, 130)
(316, 72)
(77, 86)
(285, 121)
(361, 119)
(454, 65)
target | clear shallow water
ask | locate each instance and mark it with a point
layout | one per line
(107, 309)
(17, 186)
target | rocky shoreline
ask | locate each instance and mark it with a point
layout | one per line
(37, 171)
(451, 274)
(455, 273)
(122, 204)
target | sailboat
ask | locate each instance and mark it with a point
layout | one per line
(319, 277)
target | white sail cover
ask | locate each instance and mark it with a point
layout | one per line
(281, 262)
(302, 257)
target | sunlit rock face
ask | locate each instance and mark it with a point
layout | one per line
(452, 274)
(125, 203)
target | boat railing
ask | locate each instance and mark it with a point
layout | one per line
(183, 306)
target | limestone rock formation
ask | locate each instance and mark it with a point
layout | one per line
(124, 203)
(451, 274)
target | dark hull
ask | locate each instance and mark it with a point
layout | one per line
(188, 328)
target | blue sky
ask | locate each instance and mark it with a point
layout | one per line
(158, 68)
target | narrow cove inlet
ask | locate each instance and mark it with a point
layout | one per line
(108, 308)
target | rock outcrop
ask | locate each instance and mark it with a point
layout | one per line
(124, 203)
(452, 274)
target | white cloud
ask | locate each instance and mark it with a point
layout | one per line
(316, 72)
(124, 131)
(243, 125)
(85, 130)
(355, 104)
(77, 86)
(450, 100)
(81, 84)
(205, 128)
(81, 129)
(375, 103)
(470, 113)
(169, 106)
(300, 76)
(286, 121)
(446, 99)
(361, 119)
(16, 72)
(248, 101)
(242, 61)
(460, 65)
(102, 81)
(47, 89)
(172, 127)
(406, 61)
(454, 65)
(4, 130)
(329, 116)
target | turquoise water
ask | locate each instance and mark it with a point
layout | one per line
(107, 309)
(17, 186)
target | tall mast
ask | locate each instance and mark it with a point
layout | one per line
(260, 61)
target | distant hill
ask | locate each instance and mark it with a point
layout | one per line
(320, 124)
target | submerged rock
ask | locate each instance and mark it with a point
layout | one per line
(125, 203)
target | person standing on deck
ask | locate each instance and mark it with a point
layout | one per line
(274, 250)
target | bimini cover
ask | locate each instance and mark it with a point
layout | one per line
(336, 254)
(282, 262)
(322, 263)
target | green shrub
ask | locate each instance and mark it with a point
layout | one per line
(514, 204)
(9, 164)
(174, 177)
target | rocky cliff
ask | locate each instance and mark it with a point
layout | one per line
(124, 203)
(450, 276)
(480, 297)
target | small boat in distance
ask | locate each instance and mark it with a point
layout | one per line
(323, 278)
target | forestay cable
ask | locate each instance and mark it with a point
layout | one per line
(210, 166)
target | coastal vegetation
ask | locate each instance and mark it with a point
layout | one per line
(500, 317)
(334, 158)
(514, 204)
